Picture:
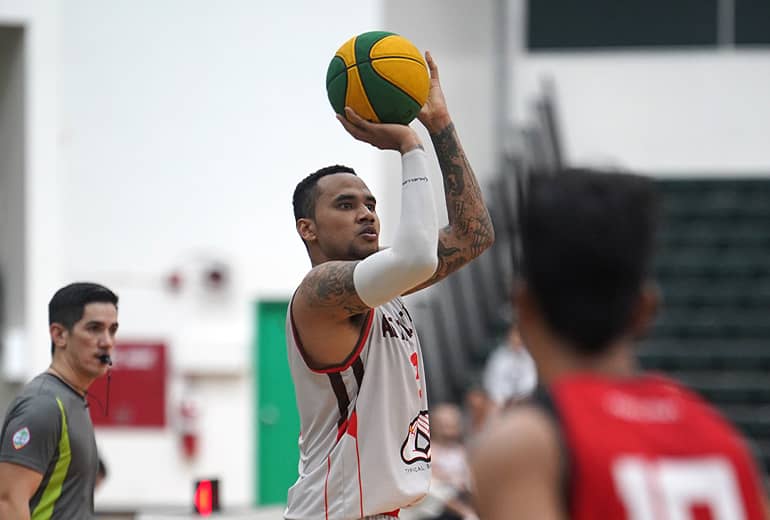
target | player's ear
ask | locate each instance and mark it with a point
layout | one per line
(524, 303)
(521, 297)
(59, 334)
(646, 309)
(306, 229)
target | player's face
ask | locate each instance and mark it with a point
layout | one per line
(346, 223)
(91, 337)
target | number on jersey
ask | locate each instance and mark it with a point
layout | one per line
(675, 489)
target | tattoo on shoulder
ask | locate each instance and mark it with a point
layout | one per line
(331, 285)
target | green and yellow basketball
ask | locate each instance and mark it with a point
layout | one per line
(380, 75)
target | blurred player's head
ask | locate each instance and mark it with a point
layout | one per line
(335, 215)
(587, 248)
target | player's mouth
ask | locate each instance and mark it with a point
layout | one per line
(369, 233)
(103, 357)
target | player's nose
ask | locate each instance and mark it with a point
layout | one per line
(365, 214)
(106, 339)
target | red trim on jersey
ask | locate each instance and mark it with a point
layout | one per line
(326, 485)
(393, 513)
(349, 426)
(348, 360)
(341, 429)
(354, 426)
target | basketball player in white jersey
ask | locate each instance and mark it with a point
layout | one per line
(353, 349)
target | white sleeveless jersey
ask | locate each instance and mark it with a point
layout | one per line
(365, 437)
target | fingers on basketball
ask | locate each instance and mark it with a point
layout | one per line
(353, 123)
(431, 65)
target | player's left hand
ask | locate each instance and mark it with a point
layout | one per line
(434, 113)
(385, 136)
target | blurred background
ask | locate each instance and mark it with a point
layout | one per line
(153, 146)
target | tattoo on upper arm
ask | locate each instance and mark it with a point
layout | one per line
(331, 285)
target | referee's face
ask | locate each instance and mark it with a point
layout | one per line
(92, 337)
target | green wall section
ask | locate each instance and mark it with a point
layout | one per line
(277, 421)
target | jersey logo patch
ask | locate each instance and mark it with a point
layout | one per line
(21, 438)
(416, 447)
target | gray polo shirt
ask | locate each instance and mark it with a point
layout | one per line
(48, 429)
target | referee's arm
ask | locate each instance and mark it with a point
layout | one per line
(17, 485)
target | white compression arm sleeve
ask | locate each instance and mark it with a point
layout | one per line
(413, 257)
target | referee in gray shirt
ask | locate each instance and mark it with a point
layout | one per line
(48, 459)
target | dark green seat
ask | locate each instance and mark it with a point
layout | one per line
(705, 354)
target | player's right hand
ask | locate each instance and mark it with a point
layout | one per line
(385, 136)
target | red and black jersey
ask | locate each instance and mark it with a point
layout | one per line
(646, 448)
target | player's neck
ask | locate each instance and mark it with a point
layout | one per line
(561, 360)
(617, 361)
(61, 369)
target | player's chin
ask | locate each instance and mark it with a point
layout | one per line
(98, 369)
(366, 250)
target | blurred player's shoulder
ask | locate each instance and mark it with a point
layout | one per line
(521, 424)
(521, 439)
(516, 464)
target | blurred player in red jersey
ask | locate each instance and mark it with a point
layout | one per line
(601, 440)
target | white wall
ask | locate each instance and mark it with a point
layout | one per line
(177, 110)
(460, 36)
(12, 219)
(185, 127)
(676, 113)
(664, 112)
(12, 229)
(38, 19)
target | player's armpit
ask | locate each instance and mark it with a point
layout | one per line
(17, 485)
(328, 315)
(516, 468)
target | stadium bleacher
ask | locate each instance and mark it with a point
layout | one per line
(713, 332)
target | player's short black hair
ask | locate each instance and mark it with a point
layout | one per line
(588, 239)
(67, 304)
(306, 192)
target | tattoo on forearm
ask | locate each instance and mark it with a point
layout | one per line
(449, 259)
(458, 210)
(469, 221)
(448, 151)
(331, 285)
